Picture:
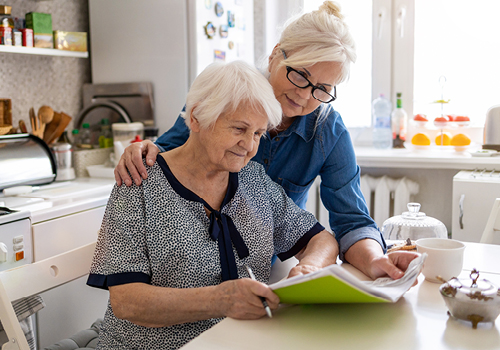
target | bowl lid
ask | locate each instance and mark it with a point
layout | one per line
(413, 218)
(470, 289)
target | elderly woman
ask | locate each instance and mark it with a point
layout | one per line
(311, 59)
(173, 252)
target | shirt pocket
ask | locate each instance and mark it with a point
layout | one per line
(297, 193)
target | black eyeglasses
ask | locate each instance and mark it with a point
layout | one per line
(299, 80)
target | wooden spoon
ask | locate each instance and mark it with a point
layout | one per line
(33, 122)
(22, 126)
(45, 115)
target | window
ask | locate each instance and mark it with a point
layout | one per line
(459, 40)
(412, 45)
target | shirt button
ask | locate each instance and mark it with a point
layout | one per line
(266, 161)
(277, 139)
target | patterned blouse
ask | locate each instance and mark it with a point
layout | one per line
(159, 233)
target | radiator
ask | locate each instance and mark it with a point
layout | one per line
(386, 197)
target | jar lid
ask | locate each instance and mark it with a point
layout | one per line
(61, 147)
(127, 126)
(470, 289)
(5, 10)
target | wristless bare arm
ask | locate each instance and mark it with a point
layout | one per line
(131, 161)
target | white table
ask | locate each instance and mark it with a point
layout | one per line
(418, 320)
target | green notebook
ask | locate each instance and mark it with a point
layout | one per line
(334, 284)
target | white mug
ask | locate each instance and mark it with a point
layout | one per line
(445, 258)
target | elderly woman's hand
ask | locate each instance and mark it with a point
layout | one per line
(240, 298)
(303, 270)
(131, 160)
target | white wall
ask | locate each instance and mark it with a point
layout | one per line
(158, 53)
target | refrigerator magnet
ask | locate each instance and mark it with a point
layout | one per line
(223, 31)
(230, 44)
(219, 10)
(208, 4)
(210, 30)
(219, 55)
(230, 19)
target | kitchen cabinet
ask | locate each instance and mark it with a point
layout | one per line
(44, 52)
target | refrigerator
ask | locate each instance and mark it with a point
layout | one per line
(167, 43)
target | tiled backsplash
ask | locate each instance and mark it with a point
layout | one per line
(32, 80)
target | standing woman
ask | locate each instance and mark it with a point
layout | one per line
(312, 57)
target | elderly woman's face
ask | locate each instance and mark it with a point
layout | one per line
(234, 139)
(296, 101)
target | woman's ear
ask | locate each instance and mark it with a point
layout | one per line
(274, 53)
(193, 122)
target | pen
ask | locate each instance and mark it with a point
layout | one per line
(264, 302)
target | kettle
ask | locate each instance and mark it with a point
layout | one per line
(491, 138)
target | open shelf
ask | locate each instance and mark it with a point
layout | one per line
(44, 52)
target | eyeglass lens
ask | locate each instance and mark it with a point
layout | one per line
(302, 82)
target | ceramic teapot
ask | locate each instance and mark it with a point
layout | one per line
(471, 299)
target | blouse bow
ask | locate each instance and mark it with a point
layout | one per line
(223, 231)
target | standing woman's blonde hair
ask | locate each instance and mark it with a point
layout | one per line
(319, 36)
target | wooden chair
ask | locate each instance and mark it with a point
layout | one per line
(491, 233)
(36, 278)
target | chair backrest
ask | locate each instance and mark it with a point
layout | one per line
(36, 278)
(491, 233)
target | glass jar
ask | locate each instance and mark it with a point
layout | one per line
(123, 134)
(413, 224)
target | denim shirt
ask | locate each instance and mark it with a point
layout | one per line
(297, 155)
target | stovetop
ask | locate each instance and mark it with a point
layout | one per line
(8, 215)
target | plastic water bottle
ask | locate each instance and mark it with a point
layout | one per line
(382, 132)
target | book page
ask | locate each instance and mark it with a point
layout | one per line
(335, 284)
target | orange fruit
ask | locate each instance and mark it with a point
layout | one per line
(441, 119)
(446, 139)
(421, 139)
(460, 140)
(420, 117)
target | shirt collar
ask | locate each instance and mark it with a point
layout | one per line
(187, 193)
(303, 126)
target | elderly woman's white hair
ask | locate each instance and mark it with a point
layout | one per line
(223, 87)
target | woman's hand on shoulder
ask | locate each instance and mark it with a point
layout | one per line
(240, 298)
(131, 160)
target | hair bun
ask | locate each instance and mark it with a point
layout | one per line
(331, 8)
